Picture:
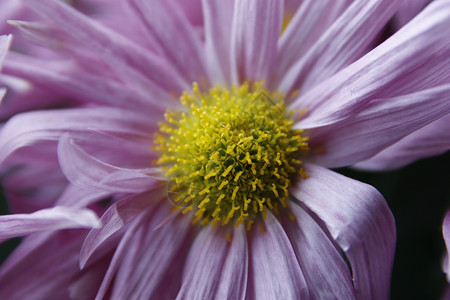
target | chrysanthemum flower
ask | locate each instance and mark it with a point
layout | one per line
(231, 195)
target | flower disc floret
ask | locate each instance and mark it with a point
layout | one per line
(230, 154)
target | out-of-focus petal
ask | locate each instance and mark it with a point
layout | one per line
(136, 66)
(255, 32)
(324, 267)
(28, 128)
(216, 268)
(175, 34)
(343, 43)
(360, 222)
(2, 93)
(417, 57)
(117, 216)
(407, 11)
(274, 272)
(86, 171)
(218, 22)
(5, 41)
(42, 266)
(55, 218)
(62, 78)
(433, 139)
(382, 123)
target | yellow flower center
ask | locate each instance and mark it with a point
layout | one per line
(230, 154)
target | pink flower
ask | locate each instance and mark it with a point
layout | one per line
(335, 239)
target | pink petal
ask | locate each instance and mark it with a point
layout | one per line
(133, 63)
(360, 222)
(274, 272)
(86, 285)
(446, 234)
(431, 140)
(87, 172)
(255, 32)
(416, 58)
(216, 268)
(218, 22)
(408, 10)
(382, 123)
(116, 217)
(311, 20)
(28, 128)
(325, 270)
(5, 41)
(42, 266)
(181, 44)
(67, 77)
(55, 218)
(74, 196)
(346, 40)
(155, 259)
(2, 93)
(117, 258)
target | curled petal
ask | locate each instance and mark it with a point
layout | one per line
(323, 265)
(116, 217)
(360, 222)
(87, 172)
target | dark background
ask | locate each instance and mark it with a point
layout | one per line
(418, 196)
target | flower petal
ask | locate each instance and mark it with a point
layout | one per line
(55, 218)
(64, 77)
(324, 267)
(117, 216)
(74, 196)
(274, 272)
(433, 139)
(32, 127)
(216, 268)
(314, 18)
(118, 256)
(155, 258)
(417, 57)
(42, 266)
(135, 65)
(382, 123)
(5, 41)
(360, 222)
(88, 172)
(176, 35)
(218, 17)
(255, 32)
(346, 40)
